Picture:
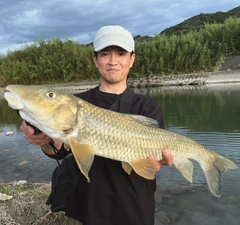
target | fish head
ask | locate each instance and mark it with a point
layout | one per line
(51, 111)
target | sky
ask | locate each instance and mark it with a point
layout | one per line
(23, 22)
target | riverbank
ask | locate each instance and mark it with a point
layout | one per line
(27, 205)
(205, 78)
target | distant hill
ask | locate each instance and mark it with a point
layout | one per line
(197, 22)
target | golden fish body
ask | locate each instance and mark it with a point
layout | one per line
(131, 139)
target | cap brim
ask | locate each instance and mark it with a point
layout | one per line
(112, 43)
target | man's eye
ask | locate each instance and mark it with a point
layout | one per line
(104, 54)
(122, 53)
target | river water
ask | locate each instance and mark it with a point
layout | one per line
(208, 114)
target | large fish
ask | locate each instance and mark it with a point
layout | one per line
(131, 139)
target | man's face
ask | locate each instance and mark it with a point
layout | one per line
(113, 64)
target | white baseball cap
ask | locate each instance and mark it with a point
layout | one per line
(113, 36)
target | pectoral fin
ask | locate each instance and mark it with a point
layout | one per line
(145, 168)
(83, 154)
(185, 167)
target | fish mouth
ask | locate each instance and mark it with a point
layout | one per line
(14, 101)
(17, 103)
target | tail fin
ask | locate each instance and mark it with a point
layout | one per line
(213, 173)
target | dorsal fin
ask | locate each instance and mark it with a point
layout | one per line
(145, 120)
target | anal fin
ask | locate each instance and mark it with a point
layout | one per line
(185, 166)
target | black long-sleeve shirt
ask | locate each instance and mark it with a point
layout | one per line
(113, 197)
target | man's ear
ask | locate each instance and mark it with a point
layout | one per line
(95, 61)
(132, 59)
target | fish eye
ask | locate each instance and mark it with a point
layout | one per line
(51, 94)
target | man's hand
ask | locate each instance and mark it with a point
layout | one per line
(34, 139)
(167, 160)
(39, 139)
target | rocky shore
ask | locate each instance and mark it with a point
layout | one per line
(194, 205)
(181, 205)
(205, 78)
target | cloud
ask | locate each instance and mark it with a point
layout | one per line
(25, 21)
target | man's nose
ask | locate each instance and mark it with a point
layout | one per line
(113, 59)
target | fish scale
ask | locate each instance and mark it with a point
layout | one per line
(120, 135)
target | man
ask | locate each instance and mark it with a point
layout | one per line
(112, 197)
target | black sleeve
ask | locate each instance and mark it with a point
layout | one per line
(61, 153)
(155, 112)
(149, 107)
